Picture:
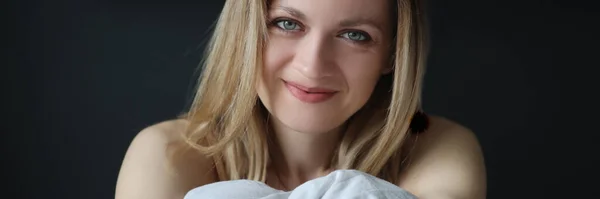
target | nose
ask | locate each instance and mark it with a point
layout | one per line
(313, 55)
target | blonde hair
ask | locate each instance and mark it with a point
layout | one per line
(228, 123)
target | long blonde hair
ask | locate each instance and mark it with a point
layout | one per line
(228, 122)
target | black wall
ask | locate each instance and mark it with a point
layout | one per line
(85, 76)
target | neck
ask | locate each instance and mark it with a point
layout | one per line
(297, 157)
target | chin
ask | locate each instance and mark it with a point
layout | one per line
(293, 113)
(308, 123)
(306, 118)
(309, 118)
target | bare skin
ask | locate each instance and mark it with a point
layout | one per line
(146, 173)
(446, 163)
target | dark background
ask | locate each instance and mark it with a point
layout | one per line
(85, 76)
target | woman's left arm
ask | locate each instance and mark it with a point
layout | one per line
(446, 162)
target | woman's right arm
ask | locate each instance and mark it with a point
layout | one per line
(147, 172)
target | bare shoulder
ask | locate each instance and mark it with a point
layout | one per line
(153, 168)
(446, 161)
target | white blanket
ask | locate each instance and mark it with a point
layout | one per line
(346, 184)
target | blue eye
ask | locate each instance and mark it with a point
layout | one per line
(356, 36)
(288, 25)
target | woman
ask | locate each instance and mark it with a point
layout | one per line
(292, 90)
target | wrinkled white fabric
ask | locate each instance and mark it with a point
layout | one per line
(347, 184)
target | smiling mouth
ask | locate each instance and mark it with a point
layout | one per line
(309, 95)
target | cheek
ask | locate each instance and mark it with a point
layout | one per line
(278, 52)
(276, 55)
(362, 73)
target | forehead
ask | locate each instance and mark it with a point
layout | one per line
(338, 9)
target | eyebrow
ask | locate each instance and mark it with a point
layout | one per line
(294, 12)
(360, 21)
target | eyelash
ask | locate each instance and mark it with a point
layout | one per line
(275, 23)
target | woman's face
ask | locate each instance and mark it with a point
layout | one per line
(323, 59)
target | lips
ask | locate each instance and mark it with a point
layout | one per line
(310, 90)
(309, 94)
